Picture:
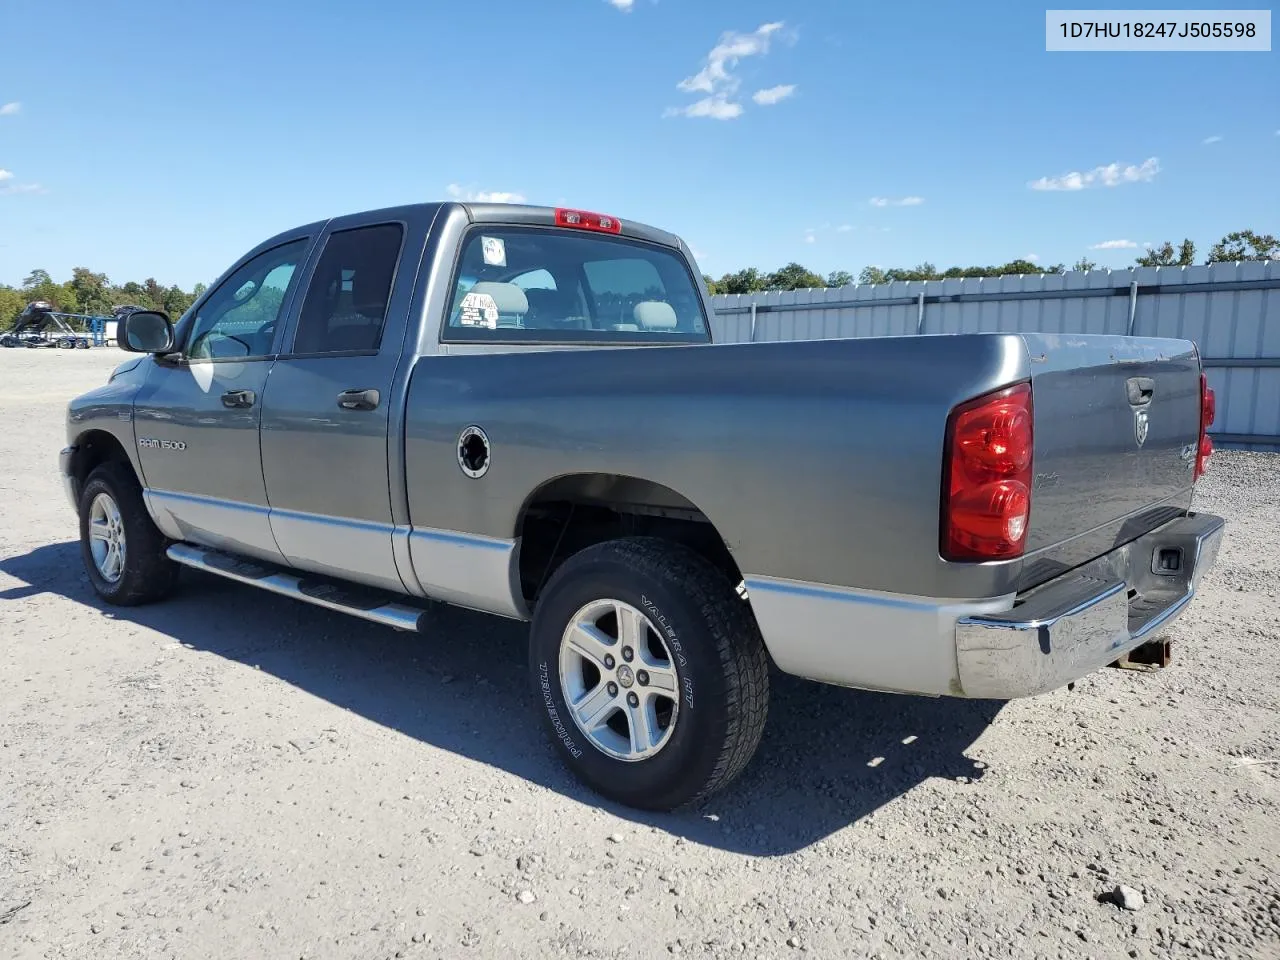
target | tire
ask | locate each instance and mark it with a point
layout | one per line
(142, 572)
(715, 660)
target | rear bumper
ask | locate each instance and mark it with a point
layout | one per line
(997, 647)
(1090, 617)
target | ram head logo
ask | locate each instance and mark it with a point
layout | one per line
(1141, 426)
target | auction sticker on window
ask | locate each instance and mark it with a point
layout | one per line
(478, 310)
(495, 251)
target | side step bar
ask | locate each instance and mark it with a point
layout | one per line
(368, 604)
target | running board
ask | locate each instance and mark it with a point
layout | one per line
(366, 603)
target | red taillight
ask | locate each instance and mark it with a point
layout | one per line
(987, 476)
(1208, 411)
(582, 220)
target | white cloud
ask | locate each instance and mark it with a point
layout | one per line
(772, 95)
(809, 236)
(1031, 257)
(623, 5)
(5, 175)
(9, 109)
(733, 46)
(903, 202)
(844, 228)
(1111, 175)
(717, 80)
(716, 107)
(21, 188)
(1114, 245)
(483, 196)
(1214, 139)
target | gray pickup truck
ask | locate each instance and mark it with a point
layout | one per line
(519, 410)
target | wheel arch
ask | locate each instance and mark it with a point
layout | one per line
(92, 448)
(567, 513)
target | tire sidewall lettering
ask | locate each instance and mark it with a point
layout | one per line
(659, 621)
(549, 697)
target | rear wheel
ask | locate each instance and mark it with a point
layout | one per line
(650, 671)
(122, 549)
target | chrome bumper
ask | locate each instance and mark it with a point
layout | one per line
(1090, 617)
(68, 481)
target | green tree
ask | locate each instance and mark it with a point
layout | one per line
(707, 282)
(873, 275)
(155, 291)
(11, 303)
(177, 301)
(793, 277)
(40, 286)
(1245, 245)
(134, 293)
(1165, 255)
(839, 278)
(90, 291)
(1084, 264)
(744, 281)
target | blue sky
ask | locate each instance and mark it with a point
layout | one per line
(166, 140)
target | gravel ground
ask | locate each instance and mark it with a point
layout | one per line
(232, 774)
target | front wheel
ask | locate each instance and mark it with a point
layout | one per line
(123, 550)
(650, 672)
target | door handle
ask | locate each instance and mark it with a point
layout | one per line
(358, 399)
(238, 398)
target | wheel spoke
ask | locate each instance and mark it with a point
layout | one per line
(643, 721)
(590, 642)
(99, 530)
(594, 707)
(632, 628)
(662, 680)
(111, 565)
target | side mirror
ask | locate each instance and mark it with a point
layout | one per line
(146, 331)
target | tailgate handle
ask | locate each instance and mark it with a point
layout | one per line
(1140, 390)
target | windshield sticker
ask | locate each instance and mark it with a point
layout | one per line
(479, 310)
(495, 251)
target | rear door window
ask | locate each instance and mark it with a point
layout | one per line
(346, 303)
(556, 285)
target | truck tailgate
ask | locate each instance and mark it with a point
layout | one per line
(1117, 422)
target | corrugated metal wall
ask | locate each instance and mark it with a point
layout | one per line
(1230, 310)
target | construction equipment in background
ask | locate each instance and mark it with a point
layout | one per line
(40, 325)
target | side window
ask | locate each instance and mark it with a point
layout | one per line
(540, 284)
(238, 320)
(346, 304)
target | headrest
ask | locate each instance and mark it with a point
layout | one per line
(507, 296)
(655, 315)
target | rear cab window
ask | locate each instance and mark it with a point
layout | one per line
(549, 285)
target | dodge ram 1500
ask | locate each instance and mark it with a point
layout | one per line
(519, 410)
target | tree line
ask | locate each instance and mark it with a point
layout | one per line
(1238, 245)
(93, 294)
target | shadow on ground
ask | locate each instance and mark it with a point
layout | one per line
(829, 756)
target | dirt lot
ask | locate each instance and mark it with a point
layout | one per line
(232, 774)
